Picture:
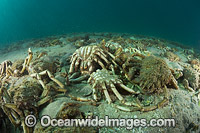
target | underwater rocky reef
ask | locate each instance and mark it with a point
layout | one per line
(83, 75)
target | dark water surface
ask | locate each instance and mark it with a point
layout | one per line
(176, 20)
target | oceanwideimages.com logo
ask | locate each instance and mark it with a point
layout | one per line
(130, 123)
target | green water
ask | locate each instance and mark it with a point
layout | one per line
(174, 20)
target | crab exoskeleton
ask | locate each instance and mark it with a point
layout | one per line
(87, 58)
(104, 81)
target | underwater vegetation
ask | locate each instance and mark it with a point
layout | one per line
(128, 73)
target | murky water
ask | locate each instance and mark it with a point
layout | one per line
(174, 19)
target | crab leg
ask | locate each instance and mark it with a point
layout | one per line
(74, 75)
(149, 108)
(186, 85)
(53, 78)
(41, 54)
(131, 104)
(102, 57)
(4, 93)
(38, 77)
(25, 128)
(81, 78)
(73, 60)
(113, 60)
(82, 99)
(116, 92)
(13, 107)
(13, 117)
(9, 72)
(2, 69)
(61, 90)
(43, 101)
(163, 103)
(99, 62)
(127, 109)
(198, 94)
(136, 103)
(166, 98)
(89, 79)
(27, 60)
(101, 52)
(174, 83)
(82, 66)
(58, 89)
(94, 91)
(91, 68)
(160, 104)
(30, 53)
(50, 76)
(77, 64)
(67, 79)
(127, 89)
(24, 66)
(106, 93)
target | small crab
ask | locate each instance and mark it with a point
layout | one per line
(103, 80)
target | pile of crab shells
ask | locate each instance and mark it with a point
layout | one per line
(23, 85)
(108, 65)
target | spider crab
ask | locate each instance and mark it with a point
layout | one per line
(21, 99)
(148, 73)
(152, 75)
(39, 68)
(89, 59)
(104, 81)
(22, 95)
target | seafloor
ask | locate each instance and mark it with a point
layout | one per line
(163, 77)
